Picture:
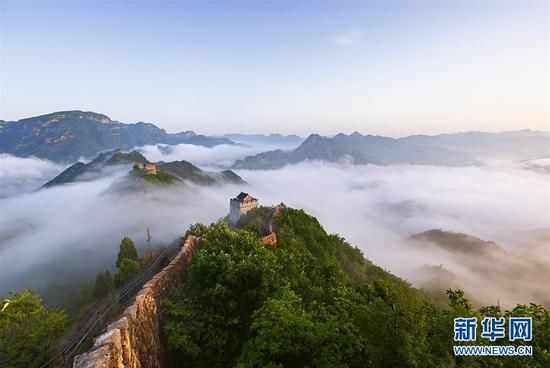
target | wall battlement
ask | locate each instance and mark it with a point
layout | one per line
(133, 341)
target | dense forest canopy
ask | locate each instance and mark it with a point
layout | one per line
(313, 300)
(29, 331)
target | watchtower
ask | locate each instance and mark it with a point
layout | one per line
(240, 205)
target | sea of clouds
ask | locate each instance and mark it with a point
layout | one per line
(71, 232)
(221, 156)
(20, 175)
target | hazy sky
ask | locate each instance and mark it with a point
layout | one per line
(383, 68)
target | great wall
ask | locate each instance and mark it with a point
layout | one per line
(133, 341)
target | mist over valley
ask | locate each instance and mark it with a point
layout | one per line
(375, 207)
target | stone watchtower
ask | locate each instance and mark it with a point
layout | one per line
(240, 205)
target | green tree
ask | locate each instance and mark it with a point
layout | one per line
(103, 285)
(230, 277)
(127, 251)
(149, 238)
(28, 330)
(541, 336)
(287, 333)
(127, 270)
(459, 303)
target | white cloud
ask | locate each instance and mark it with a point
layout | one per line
(46, 235)
(19, 175)
(221, 156)
(375, 207)
(351, 36)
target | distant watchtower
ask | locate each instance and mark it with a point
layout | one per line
(240, 205)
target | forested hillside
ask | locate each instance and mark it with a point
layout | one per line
(313, 300)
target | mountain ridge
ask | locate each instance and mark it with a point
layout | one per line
(159, 172)
(450, 149)
(66, 136)
(516, 144)
(500, 269)
(272, 138)
(358, 149)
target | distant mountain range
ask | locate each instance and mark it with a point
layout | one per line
(142, 171)
(265, 139)
(460, 149)
(68, 135)
(519, 145)
(357, 149)
(538, 164)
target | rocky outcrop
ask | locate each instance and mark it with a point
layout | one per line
(133, 341)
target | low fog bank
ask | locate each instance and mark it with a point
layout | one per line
(71, 232)
(20, 175)
(221, 156)
(377, 207)
(407, 199)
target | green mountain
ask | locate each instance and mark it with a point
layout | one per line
(357, 149)
(68, 135)
(80, 171)
(186, 171)
(143, 171)
(313, 300)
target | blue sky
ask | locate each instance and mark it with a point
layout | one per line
(392, 68)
